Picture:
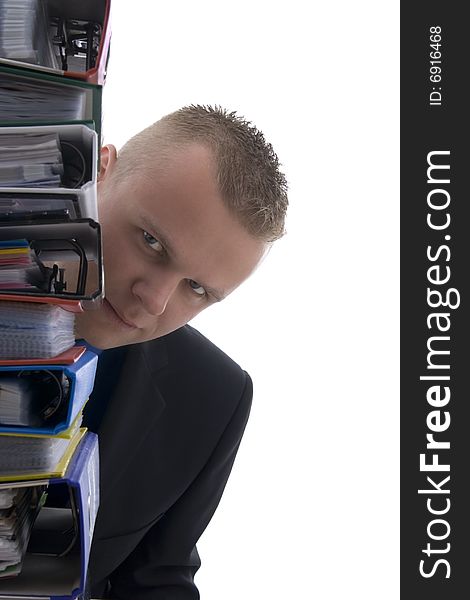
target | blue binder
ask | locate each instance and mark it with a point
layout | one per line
(80, 376)
(56, 562)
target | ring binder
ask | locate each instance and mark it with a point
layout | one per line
(75, 382)
(30, 97)
(60, 526)
(34, 330)
(16, 521)
(74, 145)
(73, 246)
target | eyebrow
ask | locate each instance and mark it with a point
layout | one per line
(148, 224)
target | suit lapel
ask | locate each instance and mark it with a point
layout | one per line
(134, 408)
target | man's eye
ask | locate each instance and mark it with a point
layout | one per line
(153, 242)
(197, 289)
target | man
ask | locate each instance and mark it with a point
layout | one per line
(188, 209)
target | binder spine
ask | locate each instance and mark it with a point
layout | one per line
(82, 385)
(83, 475)
(81, 141)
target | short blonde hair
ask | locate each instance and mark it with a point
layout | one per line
(248, 174)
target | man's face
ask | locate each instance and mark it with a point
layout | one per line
(170, 246)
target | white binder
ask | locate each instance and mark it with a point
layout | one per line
(81, 142)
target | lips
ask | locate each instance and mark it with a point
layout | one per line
(118, 316)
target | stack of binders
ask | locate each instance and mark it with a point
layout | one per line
(53, 58)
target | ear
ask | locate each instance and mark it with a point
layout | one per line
(108, 160)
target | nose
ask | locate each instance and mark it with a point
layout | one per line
(155, 295)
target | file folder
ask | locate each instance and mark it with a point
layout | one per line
(61, 392)
(82, 35)
(31, 456)
(69, 255)
(56, 561)
(79, 152)
(29, 97)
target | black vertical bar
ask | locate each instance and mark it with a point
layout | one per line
(435, 273)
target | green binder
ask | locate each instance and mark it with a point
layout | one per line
(29, 97)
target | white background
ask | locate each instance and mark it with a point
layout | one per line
(311, 508)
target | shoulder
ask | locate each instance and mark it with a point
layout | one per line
(196, 368)
(191, 349)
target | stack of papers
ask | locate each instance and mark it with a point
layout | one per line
(16, 261)
(56, 562)
(24, 34)
(34, 330)
(18, 509)
(30, 160)
(16, 402)
(30, 455)
(24, 98)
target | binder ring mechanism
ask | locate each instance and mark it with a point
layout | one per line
(54, 277)
(77, 38)
(52, 390)
(54, 257)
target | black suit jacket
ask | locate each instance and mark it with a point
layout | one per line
(167, 445)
